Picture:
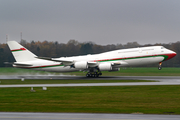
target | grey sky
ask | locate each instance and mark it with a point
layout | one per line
(100, 21)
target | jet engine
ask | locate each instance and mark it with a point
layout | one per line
(81, 65)
(105, 67)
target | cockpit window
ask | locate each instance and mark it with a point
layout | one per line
(162, 47)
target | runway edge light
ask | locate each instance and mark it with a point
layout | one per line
(22, 79)
(32, 90)
(44, 88)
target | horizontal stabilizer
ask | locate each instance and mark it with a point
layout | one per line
(18, 63)
(9, 63)
(22, 64)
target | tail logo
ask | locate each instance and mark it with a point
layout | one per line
(21, 49)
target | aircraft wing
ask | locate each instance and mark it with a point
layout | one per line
(117, 63)
(64, 62)
(89, 64)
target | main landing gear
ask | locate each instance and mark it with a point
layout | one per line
(159, 67)
(93, 74)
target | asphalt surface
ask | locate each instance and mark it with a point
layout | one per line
(64, 77)
(82, 116)
(161, 80)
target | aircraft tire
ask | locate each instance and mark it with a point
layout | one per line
(88, 75)
(93, 75)
(159, 67)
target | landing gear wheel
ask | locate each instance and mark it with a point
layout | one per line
(159, 67)
(88, 75)
(93, 74)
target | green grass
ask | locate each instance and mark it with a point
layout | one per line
(8, 82)
(124, 99)
(129, 71)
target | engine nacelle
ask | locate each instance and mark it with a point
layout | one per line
(81, 65)
(105, 67)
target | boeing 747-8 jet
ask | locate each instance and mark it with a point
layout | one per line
(93, 64)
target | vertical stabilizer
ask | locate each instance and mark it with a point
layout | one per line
(20, 53)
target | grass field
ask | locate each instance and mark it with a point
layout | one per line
(124, 99)
(8, 82)
(135, 71)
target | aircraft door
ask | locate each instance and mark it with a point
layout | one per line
(140, 50)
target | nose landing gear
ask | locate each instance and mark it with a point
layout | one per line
(159, 67)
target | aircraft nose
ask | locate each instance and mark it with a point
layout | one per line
(171, 55)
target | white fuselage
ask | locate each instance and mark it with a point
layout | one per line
(121, 58)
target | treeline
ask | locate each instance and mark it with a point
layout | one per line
(74, 48)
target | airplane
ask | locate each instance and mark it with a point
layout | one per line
(93, 64)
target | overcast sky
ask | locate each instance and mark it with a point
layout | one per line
(100, 21)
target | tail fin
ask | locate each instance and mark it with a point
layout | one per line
(20, 53)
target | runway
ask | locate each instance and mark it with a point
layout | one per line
(161, 80)
(67, 77)
(82, 116)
